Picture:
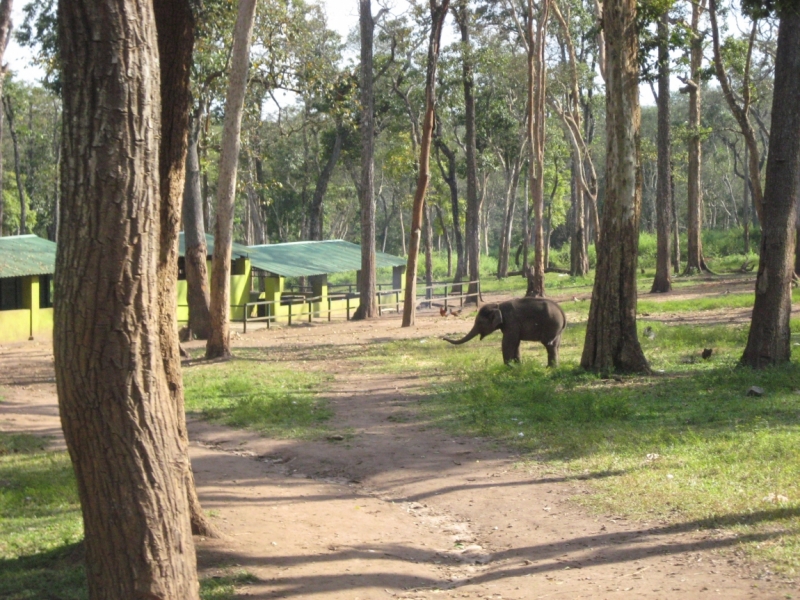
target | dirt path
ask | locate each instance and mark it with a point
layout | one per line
(402, 511)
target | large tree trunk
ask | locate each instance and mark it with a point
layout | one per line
(175, 26)
(12, 129)
(368, 302)
(769, 341)
(611, 339)
(194, 240)
(694, 258)
(316, 213)
(119, 421)
(219, 342)
(438, 13)
(663, 279)
(473, 217)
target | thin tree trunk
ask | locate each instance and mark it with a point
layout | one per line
(219, 343)
(611, 338)
(438, 14)
(194, 239)
(694, 258)
(472, 225)
(120, 423)
(316, 212)
(428, 249)
(23, 205)
(769, 341)
(536, 133)
(579, 258)
(663, 279)
(5, 31)
(676, 235)
(368, 303)
(746, 207)
(451, 178)
(740, 113)
(447, 242)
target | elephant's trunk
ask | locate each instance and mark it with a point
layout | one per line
(465, 339)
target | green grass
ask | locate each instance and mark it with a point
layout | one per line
(715, 454)
(224, 586)
(40, 523)
(255, 392)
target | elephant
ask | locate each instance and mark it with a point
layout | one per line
(528, 319)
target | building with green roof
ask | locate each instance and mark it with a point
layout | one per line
(27, 264)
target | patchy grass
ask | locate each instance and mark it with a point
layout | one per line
(685, 445)
(40, 523)
(253, 391)
(225, 585)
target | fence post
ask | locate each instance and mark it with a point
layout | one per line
(290, 312)
(397, 301)
(348, 307)
(329, 309)
(268, 312)
(445, 297)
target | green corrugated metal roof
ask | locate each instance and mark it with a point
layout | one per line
(24, 255)
(236, 251)
(302, 259)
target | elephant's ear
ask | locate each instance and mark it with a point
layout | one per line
(497, 319)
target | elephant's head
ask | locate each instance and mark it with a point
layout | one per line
(488, 320)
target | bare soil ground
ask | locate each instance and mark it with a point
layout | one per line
(399, 510)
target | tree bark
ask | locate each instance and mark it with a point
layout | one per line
(512, 184)
(473, 216)
(119, 422)
(438, 14)
(611, 341)
(194, 233)
(769, 341)
(368, 302)
(12, 129)
(219, 342)
(175, 27)
(579, 257)
(663, 279)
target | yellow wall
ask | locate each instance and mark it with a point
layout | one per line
(28, 322)
(240, 291)
(15, 325)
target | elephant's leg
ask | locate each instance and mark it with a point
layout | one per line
(510, 348)
(552, 353)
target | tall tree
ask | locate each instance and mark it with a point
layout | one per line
(368, 301)
(740, 112)
(473, 216)
(611, 339)
(119, 422)
(438, 14)
(5, 31)
(663, 279)
(695, 262)
(769, 340)
(12, 129)
(219, 343)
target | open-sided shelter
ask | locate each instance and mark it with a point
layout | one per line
(273, 263)
(27, 264)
